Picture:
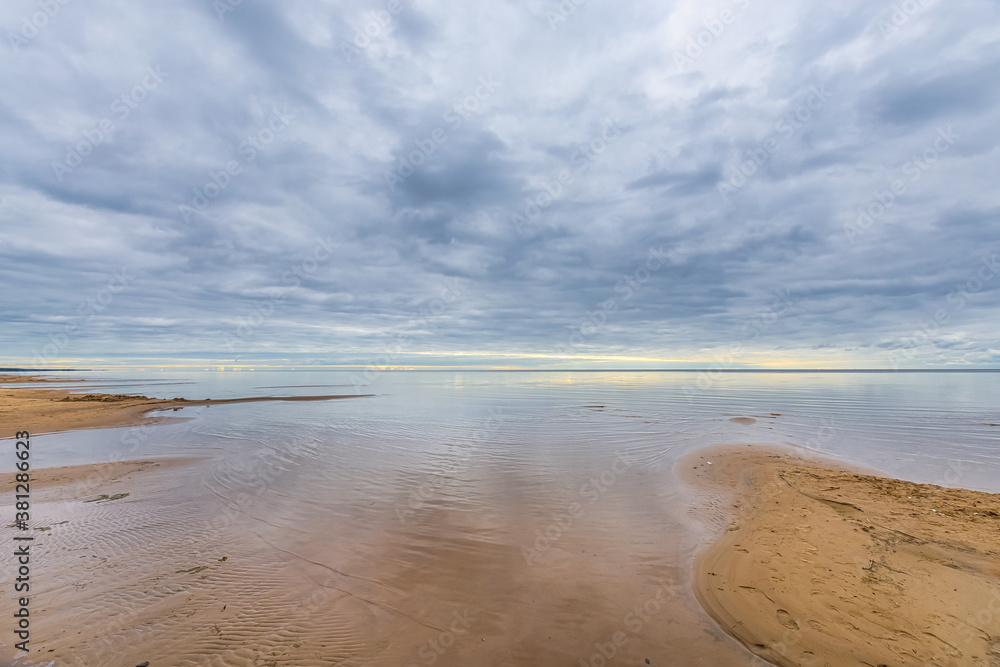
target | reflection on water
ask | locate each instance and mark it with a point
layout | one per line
(933, 427)
(520, 518)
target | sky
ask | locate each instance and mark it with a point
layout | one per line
(584, 184)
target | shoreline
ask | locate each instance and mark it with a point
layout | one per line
(825, 564)
(39, 410)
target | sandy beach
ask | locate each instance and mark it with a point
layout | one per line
(55, 410)
(821, 564)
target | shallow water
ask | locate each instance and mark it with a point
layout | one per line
(927, 427)
(518, 517)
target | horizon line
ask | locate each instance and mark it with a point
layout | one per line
(252, 368)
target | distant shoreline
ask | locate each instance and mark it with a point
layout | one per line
(299, 369)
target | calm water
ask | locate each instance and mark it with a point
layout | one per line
(926, 427)
(449, 491)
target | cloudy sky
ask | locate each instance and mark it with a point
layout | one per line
(501, 184)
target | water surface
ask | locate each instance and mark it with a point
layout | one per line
(519, 517)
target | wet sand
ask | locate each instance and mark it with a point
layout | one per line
(825, 565)
(79, 480)
(53, 410)
(137, 562)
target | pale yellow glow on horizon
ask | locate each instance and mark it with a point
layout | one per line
(702, 359)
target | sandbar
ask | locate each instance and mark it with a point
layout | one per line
(40, 410)
(822, 564)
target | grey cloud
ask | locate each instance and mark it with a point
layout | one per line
(311, 222)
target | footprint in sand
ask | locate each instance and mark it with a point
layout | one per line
(786, 620)
(818, 627)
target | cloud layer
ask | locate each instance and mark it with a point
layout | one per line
(571, 184)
